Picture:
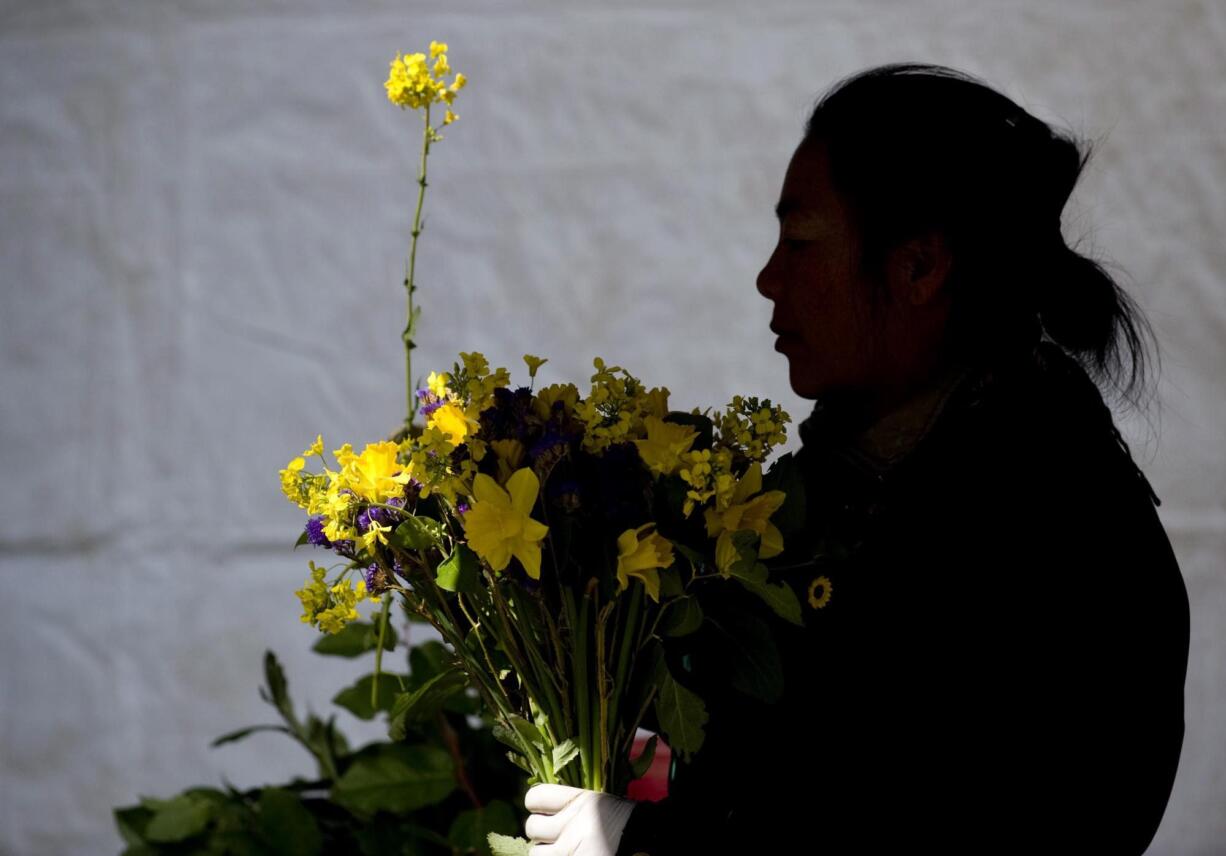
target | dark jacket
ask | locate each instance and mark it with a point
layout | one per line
(1000, 666)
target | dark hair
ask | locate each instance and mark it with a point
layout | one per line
(915, 147)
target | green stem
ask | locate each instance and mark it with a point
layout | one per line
(374, 684)
(407, 336)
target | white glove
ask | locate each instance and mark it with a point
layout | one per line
(570, 821)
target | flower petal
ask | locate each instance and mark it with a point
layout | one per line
(523, 486)
(485, 489)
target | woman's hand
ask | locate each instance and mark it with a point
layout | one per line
(570, 821)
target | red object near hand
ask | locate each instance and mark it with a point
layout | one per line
(653, 786)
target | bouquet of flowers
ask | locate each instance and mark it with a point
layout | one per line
(554, 539)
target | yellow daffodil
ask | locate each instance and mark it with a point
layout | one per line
(748, 509)
(641, 553)
(665, 444)
(498, 525)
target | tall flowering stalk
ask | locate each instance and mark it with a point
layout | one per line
(414, 85)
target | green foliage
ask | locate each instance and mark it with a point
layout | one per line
(682, 716)
(416, 533)
(460, 572)
(400, 798)
(356, 699)
(354, 639)
(395, 777)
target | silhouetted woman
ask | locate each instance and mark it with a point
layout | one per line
(997, 629)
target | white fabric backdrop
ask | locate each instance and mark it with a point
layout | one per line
(205, 216)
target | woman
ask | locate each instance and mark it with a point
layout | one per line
(997, 632)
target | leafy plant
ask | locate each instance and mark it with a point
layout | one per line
(438, 785)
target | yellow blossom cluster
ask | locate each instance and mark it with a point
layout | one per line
(330, 608)
(414, 84)
(708, 472)
(375, 475)
(752, 427)
(615, 409)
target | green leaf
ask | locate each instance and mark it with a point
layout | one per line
(780, 597)
(396, 778)
(682, 716)
(470, 829)
(746, 645)
(302, 539)
(746, 543)
(427, 660)
(424, 702)
(416, 533)
(520, 761)
(642, 763)
(683, 617)
(528, 732)
(355, 639)
(505, 845)
(131, 822)
(287, 826)
(461, 571)
(564, 753)
(234, 736)
(278, 689)
(179, 818)
(325, 742)
(670, 582)
(356, 699)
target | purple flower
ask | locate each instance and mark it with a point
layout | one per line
(315, 531)
(429, 401)
(371, 574)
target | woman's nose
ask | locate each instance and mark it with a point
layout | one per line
(766, 279)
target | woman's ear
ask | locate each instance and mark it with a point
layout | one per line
(919, 268)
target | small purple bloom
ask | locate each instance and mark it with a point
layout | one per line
(315, 532)
(461, 508)
(370, 574)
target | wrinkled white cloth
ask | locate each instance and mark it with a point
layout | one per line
(570, 821)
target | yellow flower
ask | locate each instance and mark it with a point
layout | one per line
(745, 512)
(534, 363)
(376, 475)
(451, 420)
(498, 525)
(330, 608)
(316, 448)
(641, 555)
(376, 533)
(437, 48)
(665, 444)
(450, 117)
(292, 484)
(822, 582)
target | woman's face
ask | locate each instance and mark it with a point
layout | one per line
(821, 312)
